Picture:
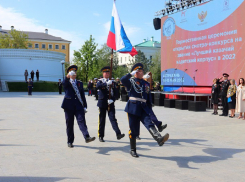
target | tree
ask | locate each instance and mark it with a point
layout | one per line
(14, 40)
(140, 58)
(156, 67)
(103, 58)
(84, 59)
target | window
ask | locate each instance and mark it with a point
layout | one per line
(63, 47)
(125, 59)
(30, 45)
(121, 59)
(50, 46)
(129, 59)
(37, 46)
(43, 46)
(56, 46)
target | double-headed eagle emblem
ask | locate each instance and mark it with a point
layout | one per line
(202, 16)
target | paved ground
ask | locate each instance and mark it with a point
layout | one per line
(33, 145)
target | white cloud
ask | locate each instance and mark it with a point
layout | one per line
(9, 17)
(96, 14)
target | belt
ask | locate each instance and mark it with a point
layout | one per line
(137, 99)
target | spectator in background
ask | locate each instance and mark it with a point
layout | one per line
(37, 75)
(26, 75)
(32, 75)
(215, 96)
(231, 93)
(90, 87)
(30, 86)
(60, 86)
(157, 87)
(240, 98)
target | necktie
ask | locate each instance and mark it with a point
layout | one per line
(74, 85)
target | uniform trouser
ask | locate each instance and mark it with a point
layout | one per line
(60, 90)
(102, 119)
(134, 123)
(224, 104)
(154, 119)
(29, 90)
(69, 115)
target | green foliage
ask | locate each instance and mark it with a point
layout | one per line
(100, 58)
(85, 58)
(140, 58)
(156, 67)
(14, 40)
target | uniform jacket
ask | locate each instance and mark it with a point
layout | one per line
(103, 94)
(224, 87)
(137, 107)
(30, 83)
(71, 101)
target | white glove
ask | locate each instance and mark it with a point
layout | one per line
(109, 82)
(85, 110)
(134, 72)
(146, 76)
(110, 101)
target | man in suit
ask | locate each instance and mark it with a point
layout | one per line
(37, 75)
(107, 104)
(224, 84)
(26, 75)
(32, 75)
(139, 107)
(74, 104)
(60, 86)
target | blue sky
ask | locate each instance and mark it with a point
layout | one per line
(76, 20)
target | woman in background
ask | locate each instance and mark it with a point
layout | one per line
(215, 96)
(240, 98)
(231, 93)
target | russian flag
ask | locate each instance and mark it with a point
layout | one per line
(117, 38)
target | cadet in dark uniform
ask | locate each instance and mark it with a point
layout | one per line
(95, 89)
(117, 83)
(74, 104)
(60, 86)
(139, 107)
(224, 87)
(103, 102)
(30, 86)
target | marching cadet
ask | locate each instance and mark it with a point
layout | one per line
(60, 86)
(117, 83)
(95, 91)
(30, 86)
(104, 101)
(74, 104)
(139, 107)
(224, 87)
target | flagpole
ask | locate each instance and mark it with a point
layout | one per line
(110, 77)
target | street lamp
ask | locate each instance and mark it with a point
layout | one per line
(62, 63)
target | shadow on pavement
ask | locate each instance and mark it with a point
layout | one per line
(217, 154)
(34, 179)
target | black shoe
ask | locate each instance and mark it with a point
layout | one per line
(133, 147)
(162, 127)
(157, 136)
(221, 115)
(101, 139)
(138, 138)
(70, 145)
(89, 139)
(213, 113)
(120, 136)
(133, 153)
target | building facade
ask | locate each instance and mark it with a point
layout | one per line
(148, 47)
(45, 41)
